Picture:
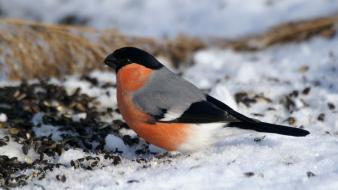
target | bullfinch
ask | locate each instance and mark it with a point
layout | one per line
(170, 112)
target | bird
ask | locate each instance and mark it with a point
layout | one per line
(172, 113)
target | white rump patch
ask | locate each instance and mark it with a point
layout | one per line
(201, 136)
(204, 135)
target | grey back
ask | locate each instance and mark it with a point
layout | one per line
(167, 91)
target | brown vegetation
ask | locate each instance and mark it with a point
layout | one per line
(288, 32)
(31, 50)
(34, 50)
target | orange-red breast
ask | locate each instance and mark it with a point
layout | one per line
(169, 111)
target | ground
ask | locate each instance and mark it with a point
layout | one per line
(291, 84)
(67, 133)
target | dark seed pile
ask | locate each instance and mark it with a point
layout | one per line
(12, 171)
(21, 103)
(288, 101)
(57, 108)
(249, 99)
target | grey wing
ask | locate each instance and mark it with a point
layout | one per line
(169, 98)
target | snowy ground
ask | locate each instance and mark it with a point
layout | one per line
(293, 84)
(223, 18)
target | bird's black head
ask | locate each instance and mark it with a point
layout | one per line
(129, 55)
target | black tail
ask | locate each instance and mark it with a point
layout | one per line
(270, 128)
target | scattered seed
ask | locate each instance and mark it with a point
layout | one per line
(271, 109)
(249, 174)
(21, 103)
(243, 97)
(306, 90)
(75, 164)
(129, 140)
(259, 139)
(321, 117)
(61, 178)
(310, 174)
(294, 93)
(292, 120)
(2, 142)
(94, 163)
(6, 138)
(133, 181)
(231, 162)
(91, 80)
(14, 131)
(289, 104)
(331, 106)
(115, 158)
(2, 125)
(258, 114)
(25, 148)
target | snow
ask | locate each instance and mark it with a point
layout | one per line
(222, 93)
(45, 130)
(3, 117)
(13, 149)
(242, 161)
(239, 161)
(79, 116)
(115, 143)
(223, 18)
(71, 154)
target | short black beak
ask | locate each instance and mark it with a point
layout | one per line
(111, 61)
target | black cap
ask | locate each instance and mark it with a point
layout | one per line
(130, 55)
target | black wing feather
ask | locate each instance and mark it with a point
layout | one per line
(229, 110)
(203, 112)
(213, 110)
(252, 124)
(270, 128)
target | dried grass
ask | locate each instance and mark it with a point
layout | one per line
(284, 33)
(34, 50)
